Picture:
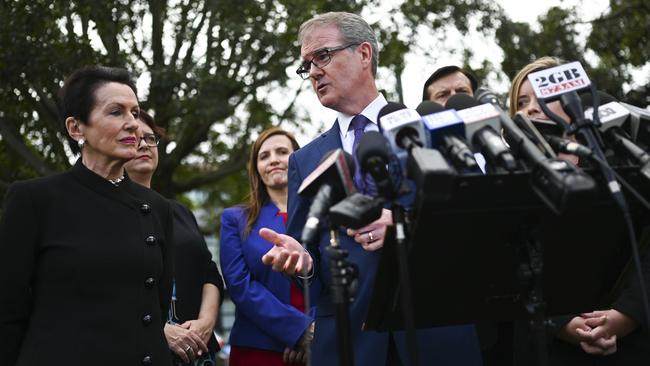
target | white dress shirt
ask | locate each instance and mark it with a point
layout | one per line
(371, 112)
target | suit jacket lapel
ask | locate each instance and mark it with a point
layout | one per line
(330, 140)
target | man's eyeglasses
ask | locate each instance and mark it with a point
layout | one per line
(320, 59)
(151, 139)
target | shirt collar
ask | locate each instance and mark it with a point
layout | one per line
(371, 112)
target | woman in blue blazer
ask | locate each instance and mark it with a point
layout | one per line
(270, 326)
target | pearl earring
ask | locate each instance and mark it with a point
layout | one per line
(81, 143)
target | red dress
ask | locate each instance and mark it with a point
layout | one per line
(245, 356)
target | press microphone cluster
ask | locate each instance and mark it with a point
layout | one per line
(447, 133)
(482, 127)
(437, 144)
(556, 181)
(434, 144)
(407, 138)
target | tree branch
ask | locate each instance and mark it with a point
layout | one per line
(180, 35)
(287, 110)
(107, 28)
(187, 62)
(157, 8)
(226, 170)
(620, 12)
(209, 56)
(18, 145)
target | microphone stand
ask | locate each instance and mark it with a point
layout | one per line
(343, 289)
(405, 283)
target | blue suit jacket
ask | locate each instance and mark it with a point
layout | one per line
(264, 317)
(457, 345)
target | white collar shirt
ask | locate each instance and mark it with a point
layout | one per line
(371, 112)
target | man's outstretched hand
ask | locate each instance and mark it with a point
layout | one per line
(287, 255)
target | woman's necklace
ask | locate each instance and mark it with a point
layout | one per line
(117, 181)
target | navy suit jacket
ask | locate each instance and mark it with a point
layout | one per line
(456, 345)
(264, 317)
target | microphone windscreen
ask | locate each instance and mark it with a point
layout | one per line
(461, 101)
(428, 107)
(587, 99)
(390, 108)
(484, 95)
(373, 144)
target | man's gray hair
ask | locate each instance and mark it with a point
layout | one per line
(352, 27)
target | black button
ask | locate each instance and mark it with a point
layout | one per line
(146, 320)
(150, 240)
(145, 208)
(146, 360)
(149, 282)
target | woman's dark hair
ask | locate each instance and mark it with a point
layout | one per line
(149, 121)
(77, 97)
(258, 195)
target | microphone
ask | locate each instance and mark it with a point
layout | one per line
(531, 131)
(568, 147)
(373, 153)
(639, 127)
(613, 116)
(328, 183)
(402, 127)
(525, 125)
(482, 121)
(637, 124)
(429, 170)
(447, 131)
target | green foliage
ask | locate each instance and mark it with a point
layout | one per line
(450, 13)
(619, 39)
(210, 64)
(557, 37)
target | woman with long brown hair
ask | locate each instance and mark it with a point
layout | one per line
(270, 324)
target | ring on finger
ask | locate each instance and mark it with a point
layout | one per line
(189, 348)
(371, 238)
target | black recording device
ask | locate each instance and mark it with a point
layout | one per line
(356, 211)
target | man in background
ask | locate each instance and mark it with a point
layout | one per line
(447, 81)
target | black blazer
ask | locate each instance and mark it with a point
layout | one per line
(193, 267)
(85, 272)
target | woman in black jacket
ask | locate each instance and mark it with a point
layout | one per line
(198, 284)
(85, 256)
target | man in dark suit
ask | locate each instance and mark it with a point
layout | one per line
(339, 55)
